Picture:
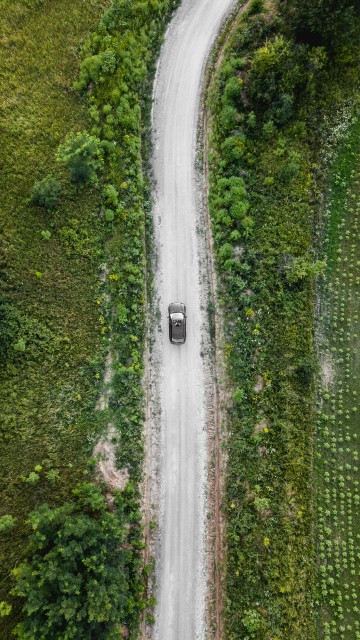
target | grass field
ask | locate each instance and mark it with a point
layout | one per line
(49, 287)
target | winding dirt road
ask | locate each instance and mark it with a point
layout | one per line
(180, 553)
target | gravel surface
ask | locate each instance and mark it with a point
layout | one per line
(179, 377)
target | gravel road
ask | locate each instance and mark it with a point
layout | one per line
(180, 552)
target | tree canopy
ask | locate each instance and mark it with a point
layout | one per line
(330, 22)
(75, 583)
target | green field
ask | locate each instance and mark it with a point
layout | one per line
(337, 435)
(48, 286)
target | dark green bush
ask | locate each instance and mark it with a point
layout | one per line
(46, 193)
(334, 23)
(82, 154)
(75, 582)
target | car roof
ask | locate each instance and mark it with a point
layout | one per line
(178, 331)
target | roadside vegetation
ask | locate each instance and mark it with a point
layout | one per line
(288, 71)
(75, 108)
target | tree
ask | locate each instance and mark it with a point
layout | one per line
(45, 193)
(83, 155)
(75, 583)
(330, 22)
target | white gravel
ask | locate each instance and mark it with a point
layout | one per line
(178, 440)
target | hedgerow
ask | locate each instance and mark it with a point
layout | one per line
(268, 103)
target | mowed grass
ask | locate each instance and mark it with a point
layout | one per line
(49, 287)
(338, 436)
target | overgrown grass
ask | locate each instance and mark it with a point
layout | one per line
(269, 118)
(48, 287)
(337, 437)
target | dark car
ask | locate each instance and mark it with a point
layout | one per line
(177, 322)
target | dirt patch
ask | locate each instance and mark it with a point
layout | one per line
(260, 426)
(104, 396)
(327, 371)
(105, 451)
(260, 383)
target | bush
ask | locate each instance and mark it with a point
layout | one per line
(111, 195)
(238, 396)
(46, 192)
(5, 609)
(82, 154)
(277, 72)
(74, 583)
(32, 478)
(7, 523)
(301, 268)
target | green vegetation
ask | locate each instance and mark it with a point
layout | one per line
(50, 336)
(72, 258)
(337, 441)
(77, 583)
(273, 103)
(82, 155)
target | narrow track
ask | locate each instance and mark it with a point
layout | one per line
(181, 566)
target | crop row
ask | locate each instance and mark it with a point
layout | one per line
(338, 438)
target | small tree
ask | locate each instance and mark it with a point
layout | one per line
(7, 523)
(45, 193)
(75, 582)
(83, 155)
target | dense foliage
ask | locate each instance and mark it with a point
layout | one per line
(76, 581)
(333, 23)
(271, 104)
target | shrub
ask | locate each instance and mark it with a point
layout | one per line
(238, 396)
(109, 215)
(74, 583)
(300, 268)
(82, 154)
(19, 345)
(32, 478)
(251, 621)
(5, 609)
(53, 475)
(111, 195)
(7, 523)
(46, 192)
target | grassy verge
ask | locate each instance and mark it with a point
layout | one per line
(78, 289)
(337, 437)
(269, 117)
